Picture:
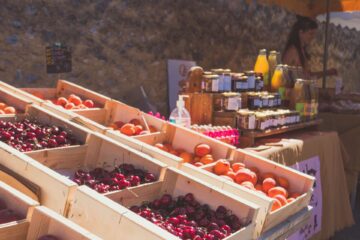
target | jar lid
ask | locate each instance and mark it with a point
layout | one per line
(251, 72)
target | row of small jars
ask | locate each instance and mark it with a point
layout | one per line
(263, 100)
(223, 80)
(264, 120)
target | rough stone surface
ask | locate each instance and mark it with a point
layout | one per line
(120, 45)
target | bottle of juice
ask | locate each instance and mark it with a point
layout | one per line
(262, 66)
(277, 79)
(273, 62)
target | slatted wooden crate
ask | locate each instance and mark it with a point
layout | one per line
(21, 204)
(109, 220)
(46, 222)
(98, 152)
(299, 182)
(180, 138)
(55, 190)
(175, 183)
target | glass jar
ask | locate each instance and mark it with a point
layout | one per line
(265, 100)
(261, 121)
(259, 82)
(231, 101)
(218, 102)
(227, 80)
(237, 82)
(220, 73)
(271, 101)
(251, 80)
(246, 119)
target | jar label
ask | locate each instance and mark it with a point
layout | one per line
(215, 85)
(227, 83)
(221, 83)
(252, 122)
(271, 102)
(251, 81)
(232, 104)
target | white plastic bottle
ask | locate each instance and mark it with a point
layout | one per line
(180, 115)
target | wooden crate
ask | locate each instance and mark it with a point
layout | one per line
(99, 151)
(182, 138)
(45, 221)
(299, 182)
(116, 111)
(21, 204)
(109, 220)
(55, 190)
(174, 183)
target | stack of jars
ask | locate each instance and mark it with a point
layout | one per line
(263, 100)
(264, 120)
(225, 134)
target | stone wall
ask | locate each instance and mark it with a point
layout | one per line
(120, 45)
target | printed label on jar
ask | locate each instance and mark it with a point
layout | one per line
(263, 125)
(221, 83)
(252, 122)
(232, 104)
(251, 82)
(265, 102)
(271, 102)
(227, 83)
(215, 85)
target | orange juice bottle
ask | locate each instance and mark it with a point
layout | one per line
(277, 79)
(262, 66)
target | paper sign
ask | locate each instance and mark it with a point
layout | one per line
(58, 58)
(177, 71)
(311, 167)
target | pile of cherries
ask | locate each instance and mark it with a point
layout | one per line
(29, 135)
(121, 177)
(8, 215)
(188, 219)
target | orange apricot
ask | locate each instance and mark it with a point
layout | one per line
(267, 175)
(61, 101)
(207, 159)
(69, 106)
(201, 150)
(276, 205)
(196, 159)
(221, 167)
(9, 110)
(231, 174)
(128, 129)
(2, 106)
(198, 164)
(243, 175)
(186, 157)
(277, 191)
(88, 103)
(237, 166)
(248, 185)
(281, 199)
(259, 187)
(268, 183)
(75, 100)
(283, 182)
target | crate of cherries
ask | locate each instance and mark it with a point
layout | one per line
(121, 177)
(29, 135)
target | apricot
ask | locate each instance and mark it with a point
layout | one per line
(231, 174)
(128, 129)
(248, 185)
(187, 157)
(196, 159)
(221, 167)
(198, 164)
(290, 200)
(295, 195)
(202, 149)
(207, 159)
(152, 129)
(61, 101)
(162, 147)
(2, 106)
(237, 166)
(75, 100)
(283, 182)
(138, 129)
(282, 199)
(276, 205)
(82, 106)
(9, 110)
(135, 121)
(244, 175)
(69, 106)
(268, 183)
(88, 103)
(277, 191)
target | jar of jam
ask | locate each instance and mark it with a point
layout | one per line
(271, 101)
(227, 80)
(241, 84)
(259, 82)
(231, 101)
(214, 83)
(218, 102)
(261, 121)
(220, 73)
(251, 80)
(246, 119)
(265, 100)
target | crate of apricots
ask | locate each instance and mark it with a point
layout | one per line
(12, 104)
(281, 191)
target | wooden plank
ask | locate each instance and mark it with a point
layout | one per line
(200, 107)
(45, 221)
(289, 226)
(13, 100)
(14, 230)
(271, 132)
(97, 115)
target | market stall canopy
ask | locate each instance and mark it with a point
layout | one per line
(312, 8)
